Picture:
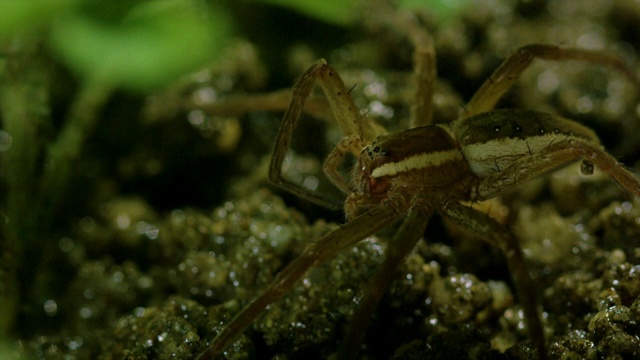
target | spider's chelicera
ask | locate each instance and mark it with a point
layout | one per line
(408, 176)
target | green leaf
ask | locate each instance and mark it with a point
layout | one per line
(18, 15)
(339, 12)
(444, 10)
(156, 42)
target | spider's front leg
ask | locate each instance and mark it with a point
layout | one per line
(367, 224)
(405, 239)
(344, 111)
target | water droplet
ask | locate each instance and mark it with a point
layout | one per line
(123, 221)
(50, 307)
(138, 311)
(5, 140)
(66, 244)
(85, 313)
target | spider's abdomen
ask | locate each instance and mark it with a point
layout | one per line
(493, 141)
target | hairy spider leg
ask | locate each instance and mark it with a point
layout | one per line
(383, 15)
(301, 92)
(424, 75)
(562, 152)
(503, 78)
(404, 240)
(344, 111)
(486, 228)
(318, 252)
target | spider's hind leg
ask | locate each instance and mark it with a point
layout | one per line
(480, 224)
(509, 71)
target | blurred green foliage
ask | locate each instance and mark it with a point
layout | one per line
(344, 12)
(338, 12)
(20, 15)
(443, 10)
(150, 44)
(142, 45)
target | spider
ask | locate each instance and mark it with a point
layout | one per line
(408, 176)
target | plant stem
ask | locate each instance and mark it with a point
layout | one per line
(36, 189)
(24, 107)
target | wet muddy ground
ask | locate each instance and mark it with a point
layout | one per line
(175, 227)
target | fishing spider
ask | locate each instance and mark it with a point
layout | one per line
(409, 175)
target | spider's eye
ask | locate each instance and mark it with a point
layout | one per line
(379, 150)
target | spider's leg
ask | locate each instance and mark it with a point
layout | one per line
(403, 242)
(507, 74)
(424, 74)
(278, 100)
(424, 56)
(480, 224)
(301, 92)
(343, 109)
(556, 155)
(318, 252)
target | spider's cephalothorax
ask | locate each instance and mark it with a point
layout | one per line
(421, 164)
(406, 176)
